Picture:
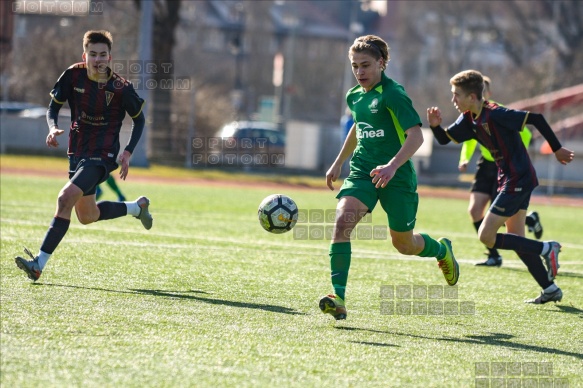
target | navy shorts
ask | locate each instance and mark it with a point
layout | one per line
(87, 173)
(486, 179)
(508, 204)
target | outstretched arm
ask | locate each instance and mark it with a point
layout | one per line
(562, 154)
(434, 118)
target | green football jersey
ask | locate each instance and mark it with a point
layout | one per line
(381, 116)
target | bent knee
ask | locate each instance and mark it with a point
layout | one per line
(487, 240)
(66, 199)
(476, 213)
(85, 220)
(87, 217)
(404, 248)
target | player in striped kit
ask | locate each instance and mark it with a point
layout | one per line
(485, 185)
(497, 128)
(99, 100)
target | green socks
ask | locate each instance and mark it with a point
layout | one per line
(340, 254)
(432, 248)
(339, 265)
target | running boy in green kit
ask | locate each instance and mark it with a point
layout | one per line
(385, 135)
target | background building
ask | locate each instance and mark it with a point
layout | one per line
(286, 61)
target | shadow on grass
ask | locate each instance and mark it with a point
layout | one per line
(374, 343)
(184, 295)
(347, 328)
(561, 274)
(492, 339)
(258, 306)
(569, 309)
(104, 289)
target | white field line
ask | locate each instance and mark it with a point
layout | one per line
(211, 221)
(292, 248)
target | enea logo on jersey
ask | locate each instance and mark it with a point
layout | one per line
(365, 131)
(374, 106)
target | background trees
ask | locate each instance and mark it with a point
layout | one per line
(526, 47)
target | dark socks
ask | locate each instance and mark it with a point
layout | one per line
(536, 268)
(109, 210)
(518, 244)
(55, 234)
(477, 224)
(59, 226)
(529, 252)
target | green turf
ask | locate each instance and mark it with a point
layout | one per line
(58, 164)
(208, 299)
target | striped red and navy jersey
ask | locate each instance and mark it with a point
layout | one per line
(97, 111)
(498, 129)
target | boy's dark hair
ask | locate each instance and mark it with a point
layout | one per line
(470, 81)
(94, 36)
(372, 45)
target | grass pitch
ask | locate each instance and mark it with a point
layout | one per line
(208, 298)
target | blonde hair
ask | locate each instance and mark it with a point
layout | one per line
(372, 45)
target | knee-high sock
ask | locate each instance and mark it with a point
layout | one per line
(55, 234)
(432, 248)
(536, 268)
(518, 244)
(339, 265)
(529, 252)
(109, 210)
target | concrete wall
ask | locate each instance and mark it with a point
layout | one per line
(302, 145)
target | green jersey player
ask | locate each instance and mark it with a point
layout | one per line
(385, 135)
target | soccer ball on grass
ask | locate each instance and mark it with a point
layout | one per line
(277, 213)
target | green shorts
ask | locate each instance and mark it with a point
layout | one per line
(400, 203)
